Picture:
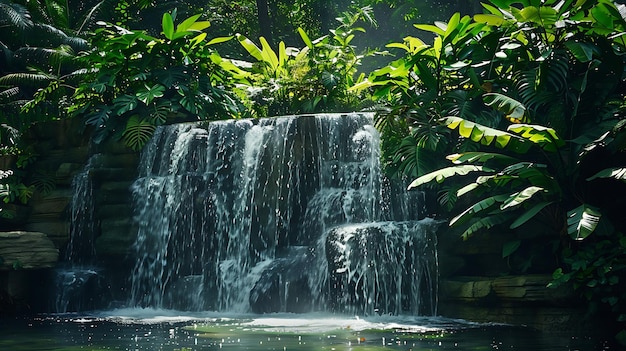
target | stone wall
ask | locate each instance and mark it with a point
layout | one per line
(35, 241)
(478, 284)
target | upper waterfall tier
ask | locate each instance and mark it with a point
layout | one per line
(234, 215)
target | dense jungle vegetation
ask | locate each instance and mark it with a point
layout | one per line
(512, 111)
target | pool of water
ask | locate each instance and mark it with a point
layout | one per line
(181, 331)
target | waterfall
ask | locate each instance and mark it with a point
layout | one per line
(281, 214)
(77, 279)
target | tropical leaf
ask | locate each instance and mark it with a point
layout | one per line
(468, 188)
(99, 116)
(490, 19)
(171, 76)
(481, 157)
(162, 110)
(487, 136)
(150, 93)
(305, 38)
(167, 23)
(430, 28)
(510, 247)
(17, 15)
(250, 47)
(137, 133)
(532, 212)
(582, 51)
(615, 173)
(8, 94)
(218, 40)
(187, 23)
(513, 109)
(485, 223)
(545, 137)
(482, 205)
(582, 221)
(35, 80)
(442, 174)
(269, 56)
(544, 16)
(518, 198)
(45, 182)
(124, 103)
(45, 35)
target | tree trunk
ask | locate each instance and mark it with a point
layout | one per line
(265, 22)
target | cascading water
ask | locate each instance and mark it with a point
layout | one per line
(281, 214)
(77, 278)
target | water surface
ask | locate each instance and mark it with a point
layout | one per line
(149, 329)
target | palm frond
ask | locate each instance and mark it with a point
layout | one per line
(9, 94)
(45, 35)
(34, 80)
(43, 57)
(555, 70)
(15, 15)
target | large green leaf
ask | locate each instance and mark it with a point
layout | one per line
(442, 174)
(430, 28)
(582, 221)
(518, 198)
(484, 223)
(147, 94)
(544, 16)
(481, 157)
(490, 19)
(186, 24)
(137, 133)
(482, 205)
(532, 212)
(98, 117)
(582, 51)
(250, 47)
(615, 173)
(168, 26)
(218, 40)
(510, 247)
(513, 109)
(268, 54)
(487, 136)
(305, 38)
(545, 137)
(124, 103)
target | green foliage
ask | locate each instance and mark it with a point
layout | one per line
(531, 97)
(35, 59)
(597, 270)
(139, 81)
(315, 78)
(15, 183)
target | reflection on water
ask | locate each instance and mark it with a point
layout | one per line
(171, 331)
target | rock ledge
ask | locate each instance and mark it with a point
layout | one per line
(26, 250)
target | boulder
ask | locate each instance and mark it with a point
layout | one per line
(26, 250)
